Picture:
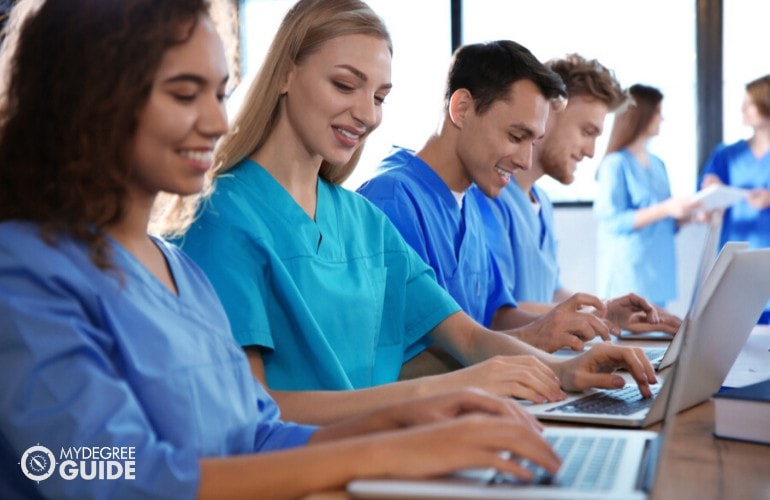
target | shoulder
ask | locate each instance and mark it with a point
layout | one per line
(353, 204)
(61, 266)
(396, 173)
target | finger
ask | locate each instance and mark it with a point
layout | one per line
(596, 326)
(581, 299)
(529, 446)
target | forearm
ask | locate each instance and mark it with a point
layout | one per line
(508, 318)
(649, 215)
(328, 407)
(275, 474)
(535, 308)
(471, 343)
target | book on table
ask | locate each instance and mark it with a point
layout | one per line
(743, 413)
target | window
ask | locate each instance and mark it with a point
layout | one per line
(651, 42)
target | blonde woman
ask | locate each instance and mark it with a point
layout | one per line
(321, 290)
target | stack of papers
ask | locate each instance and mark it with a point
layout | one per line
(719, 196)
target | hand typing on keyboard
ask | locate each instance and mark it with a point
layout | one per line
(595, 367)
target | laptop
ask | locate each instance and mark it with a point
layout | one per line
(662, 357)
(707, 257)
(597, 463)
(722, 319)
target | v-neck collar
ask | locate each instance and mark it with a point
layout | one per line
(140, 271)
(319, 233)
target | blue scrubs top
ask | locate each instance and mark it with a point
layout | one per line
(94, 358)
(447, 236)
(642, 261)
(336, 303)
(523, 241)
(736, 165)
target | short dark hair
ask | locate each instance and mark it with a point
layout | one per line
(82, 71)
(487, 71)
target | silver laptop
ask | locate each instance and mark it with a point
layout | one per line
(707, 259)
(664, 356)
(724, 314)
(597, 463)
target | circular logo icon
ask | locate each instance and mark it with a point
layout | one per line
(38, 463)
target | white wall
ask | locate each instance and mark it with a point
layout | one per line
(576, 231)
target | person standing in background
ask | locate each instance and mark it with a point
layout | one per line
(638, 217)
(746, 164)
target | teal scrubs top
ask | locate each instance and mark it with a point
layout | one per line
(642, 261)
(340, 302)
(523, 241)
(448, 236)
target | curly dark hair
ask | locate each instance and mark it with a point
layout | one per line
(82, 71)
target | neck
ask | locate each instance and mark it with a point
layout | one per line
(760, 141)
(293, 167)
(639, 149)
(438, 153)
(527, 178)
(131, 230)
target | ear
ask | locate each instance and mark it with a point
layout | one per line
(460, 104)
(287, 79)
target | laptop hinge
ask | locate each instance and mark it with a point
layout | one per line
(646, 478)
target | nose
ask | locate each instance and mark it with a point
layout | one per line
(590, 149)
(213, 117)
(367, 112)
(522, 157)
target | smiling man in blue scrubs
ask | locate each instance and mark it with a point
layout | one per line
(519, 222)
(497, 105)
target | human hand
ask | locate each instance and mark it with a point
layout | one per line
(635, 314)
(522, 377)
(455, 404)
(569, 324)
(680, 208)
(759, 198)
(595, 367)
(469, 441)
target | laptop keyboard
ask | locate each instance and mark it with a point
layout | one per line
(624, 401)
(588, 462)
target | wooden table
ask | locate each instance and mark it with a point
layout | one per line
(695, 464)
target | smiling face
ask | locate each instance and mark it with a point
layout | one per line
(183, 117)
(334, 97)
(570, 136)
(494, 144)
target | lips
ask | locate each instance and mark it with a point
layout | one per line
(348, 138)
(504, 174)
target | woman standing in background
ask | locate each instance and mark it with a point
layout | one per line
(638, 217)
(746, 164)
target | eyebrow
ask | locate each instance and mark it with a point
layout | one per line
(528, 132)
(191, 77)
(361, 75)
